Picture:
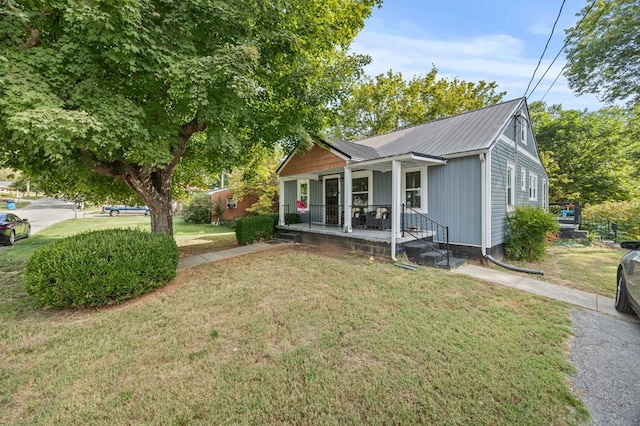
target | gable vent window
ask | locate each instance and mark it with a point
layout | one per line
(523, 132)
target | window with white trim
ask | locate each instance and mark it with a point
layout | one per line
(511, 183)
(523, 131)
(533, 187)
(303, 191)
(413, 181)
(360, 186)
(523, 179)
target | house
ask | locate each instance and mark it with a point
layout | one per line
(223, 199)
(451, 182)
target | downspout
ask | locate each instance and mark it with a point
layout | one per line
(483, 205)
(395, 202)
(484, 252)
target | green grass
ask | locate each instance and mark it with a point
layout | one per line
(291, 336)
(591, 269)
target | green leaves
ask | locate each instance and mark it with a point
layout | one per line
(602, 52)
(589, 155)
(388, 102)
(121, 88)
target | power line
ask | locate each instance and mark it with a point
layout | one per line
(545, 47)
(575, 29)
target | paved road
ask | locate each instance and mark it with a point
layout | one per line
(606, 353)
(45, 212)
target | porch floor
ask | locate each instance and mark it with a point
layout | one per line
(367, 234)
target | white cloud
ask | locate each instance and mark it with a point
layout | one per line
(491, 57)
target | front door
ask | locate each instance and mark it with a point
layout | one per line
(332, 209)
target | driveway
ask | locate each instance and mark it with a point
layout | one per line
(45, 212)
(605, 353)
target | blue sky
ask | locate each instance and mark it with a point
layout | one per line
(491, 40)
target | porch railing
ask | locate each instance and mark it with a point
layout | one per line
(373, 216)
(568, 212)
(432, 234)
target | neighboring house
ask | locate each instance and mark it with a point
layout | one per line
(453, 180)
(232, 209)
(6, 186)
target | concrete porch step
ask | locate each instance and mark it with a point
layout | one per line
(288, 237)
(454, 262)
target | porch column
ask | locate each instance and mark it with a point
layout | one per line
(281, 203)
(396, 197)
(347, 200)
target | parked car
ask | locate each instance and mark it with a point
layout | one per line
(116, 210)
(12, 228)
(628, 288)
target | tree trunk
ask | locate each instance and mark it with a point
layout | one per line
(153, 186)
(160, 209)
(155, 190)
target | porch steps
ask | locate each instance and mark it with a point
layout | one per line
(288, 237)
(423, 253)
(571, 231)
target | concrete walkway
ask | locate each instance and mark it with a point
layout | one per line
(579, 298)
(187, 262)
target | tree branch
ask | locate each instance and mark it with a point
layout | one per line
(34, 36)
(195, 125)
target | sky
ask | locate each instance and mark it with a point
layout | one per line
(473, 40)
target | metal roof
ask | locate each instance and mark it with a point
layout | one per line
(354, 151)
(466, 132)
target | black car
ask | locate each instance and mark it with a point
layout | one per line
(13, 228)
(628, 289)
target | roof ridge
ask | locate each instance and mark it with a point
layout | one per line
(438, 119)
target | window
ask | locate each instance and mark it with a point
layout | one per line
(231, 204)
(523, 179)
(523, 131)
(360, 192)
(303, 192)
(511, 183)
(533, 187)
(412, 191)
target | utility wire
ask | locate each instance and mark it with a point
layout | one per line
(545, 48)
(575, 29)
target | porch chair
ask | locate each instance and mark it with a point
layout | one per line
(379, 218)
(358, 216)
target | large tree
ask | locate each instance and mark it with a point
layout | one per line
(603, 51)
(388, 102)
(103, 94)
(589, 156)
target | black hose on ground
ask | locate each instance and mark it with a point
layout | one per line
(514, 268)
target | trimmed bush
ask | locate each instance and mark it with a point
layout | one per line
(255, 228)
(292, 218)
(526, 233)
(199, 209)
(100, 268)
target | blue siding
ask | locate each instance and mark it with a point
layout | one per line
(501, 153)
(454, 197)
(381, 188)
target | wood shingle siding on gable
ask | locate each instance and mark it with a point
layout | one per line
(312, 161)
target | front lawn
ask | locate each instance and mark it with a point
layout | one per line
(591, 269)
(292, 335)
